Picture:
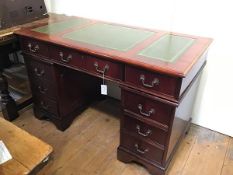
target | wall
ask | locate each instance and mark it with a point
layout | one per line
(204, 18)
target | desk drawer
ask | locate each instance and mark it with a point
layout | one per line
(34, 47)
(147, 108)
(66, 56)
(46, 104)
(144, 131)
(141, 148)
(38, 69)
(44, 87)
(152, 82)
(99, 66)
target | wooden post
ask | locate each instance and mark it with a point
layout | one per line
(8, 104)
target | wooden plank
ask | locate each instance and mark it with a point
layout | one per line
(101, 158)
(13, 167)
(183, 152)
(228, 163)
(134, 169)
(207, 155)
(113, 166)
(24, 148)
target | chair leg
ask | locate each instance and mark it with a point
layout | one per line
(16, 58)
(8, 104)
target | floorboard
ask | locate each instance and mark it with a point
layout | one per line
(227, 168)
(89, 146)
(208, 153)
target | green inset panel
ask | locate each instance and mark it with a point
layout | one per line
(109, 36)
(60, 26)
(168, 48)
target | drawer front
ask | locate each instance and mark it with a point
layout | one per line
(100, 66)
(44, 87)
(152, 82)
(34, 47)
(144, 131)
(141, 148)
(66, 56)
(38, 69)
(147, 108)
(45, 103)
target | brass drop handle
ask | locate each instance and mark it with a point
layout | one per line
(153, 83)
(39, 73)
(42, 90)
(43, 105)
(148, 114)
(141, 133)
(105, 69)
(67, 59)
(140, 150)
(33, 49)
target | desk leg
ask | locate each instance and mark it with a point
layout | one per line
(8, 104)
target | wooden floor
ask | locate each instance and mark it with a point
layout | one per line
(89, 146)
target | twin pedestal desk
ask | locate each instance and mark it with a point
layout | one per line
(157, 72)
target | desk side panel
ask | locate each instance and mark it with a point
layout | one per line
(182, 118)
(193, 72)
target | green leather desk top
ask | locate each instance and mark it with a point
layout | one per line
(155, 50)
(109, 36)
(168, 48)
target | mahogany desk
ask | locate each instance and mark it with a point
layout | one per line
(157, 72)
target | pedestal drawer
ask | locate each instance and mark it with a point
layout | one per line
(144, 131)
(45, 104)
(44, 87)
(38, 69)
(147, 108)
(34, 47)
(141, 148)
(152, 82)
(100, 66)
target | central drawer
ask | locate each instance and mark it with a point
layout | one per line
(66, 56)
(104, 67)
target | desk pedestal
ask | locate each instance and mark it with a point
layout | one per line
(151, 130)
(59, 94)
